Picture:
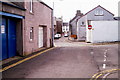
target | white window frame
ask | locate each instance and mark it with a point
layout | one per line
(99, 13)
(31, 6)
(31, 33)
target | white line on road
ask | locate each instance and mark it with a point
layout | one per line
(92, 52)
(105, 60)
(105, 56)
(106, 50)
(104, 66)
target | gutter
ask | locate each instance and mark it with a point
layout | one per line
(46, 5)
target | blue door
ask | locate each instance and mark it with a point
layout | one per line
(3, 38)
(11, 38)
(7, 38)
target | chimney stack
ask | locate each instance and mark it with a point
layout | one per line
(79, 13)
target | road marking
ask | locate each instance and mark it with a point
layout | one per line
(106, 50)
(92, 52)
(105, 76)
(104, 66)
(105, 60)
(19, 62)
(97, 75)
(105, 56)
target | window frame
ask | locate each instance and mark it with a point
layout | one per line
(99, 13)
(31, 6)
(31, 33)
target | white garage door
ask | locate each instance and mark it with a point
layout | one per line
(40, 41)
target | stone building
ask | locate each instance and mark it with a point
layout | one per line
(96, 14)
(73, 23)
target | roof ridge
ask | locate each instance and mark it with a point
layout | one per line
(97, 7)
(94, 9)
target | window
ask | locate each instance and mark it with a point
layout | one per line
(82, 24)
(66, 29)
(63, 28)
(31, 34)
(31, 6)
(99, 13)
(96, 13)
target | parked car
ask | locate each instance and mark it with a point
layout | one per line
(65, 35)
(57, 36)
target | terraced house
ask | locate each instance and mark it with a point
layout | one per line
(25, 27)
(96, 14)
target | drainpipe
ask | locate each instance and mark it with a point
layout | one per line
(23, 36)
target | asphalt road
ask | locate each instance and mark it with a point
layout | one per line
(68, 60)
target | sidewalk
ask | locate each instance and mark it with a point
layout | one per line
(15, 59)
(100, 43)
(65, 42)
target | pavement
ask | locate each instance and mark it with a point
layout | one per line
(15, 59)
(69, 60)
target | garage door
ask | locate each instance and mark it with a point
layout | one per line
(40, 41)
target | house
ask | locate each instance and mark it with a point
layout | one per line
(65, 28)
(73, 23)
(96, 14)
(38, 26)
(25, 27)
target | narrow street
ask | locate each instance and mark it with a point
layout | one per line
(68, 60)
(59, 39)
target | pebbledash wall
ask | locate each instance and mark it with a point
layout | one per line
(40, 17)
(103, 31)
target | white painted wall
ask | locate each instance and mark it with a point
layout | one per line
(103, 31)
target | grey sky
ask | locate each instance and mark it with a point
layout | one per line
(67, 8)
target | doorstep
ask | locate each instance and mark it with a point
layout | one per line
(15, 59)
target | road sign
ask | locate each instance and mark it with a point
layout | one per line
(89, 26)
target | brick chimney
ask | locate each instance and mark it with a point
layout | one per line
(79, 13)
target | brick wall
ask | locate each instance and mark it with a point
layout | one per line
(41, 16)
